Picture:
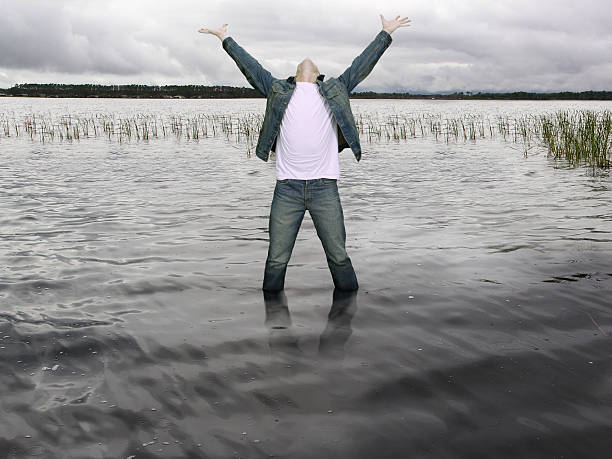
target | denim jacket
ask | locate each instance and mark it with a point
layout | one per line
(335, 91)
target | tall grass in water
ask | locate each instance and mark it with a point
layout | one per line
(580, 137)
(138, 127)
(583, 137)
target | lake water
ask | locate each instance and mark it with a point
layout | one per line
(132, 323)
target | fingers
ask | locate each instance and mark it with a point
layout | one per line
(214, 32)
(404, 20)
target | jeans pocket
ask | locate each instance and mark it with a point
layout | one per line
(283, 181)
(328, 180)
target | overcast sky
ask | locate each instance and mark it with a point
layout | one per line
(468, 45)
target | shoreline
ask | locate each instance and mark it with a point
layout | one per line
(352, 97)
(90, 91)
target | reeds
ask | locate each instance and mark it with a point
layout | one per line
(139, 127)
(580, 137)
(468, 127)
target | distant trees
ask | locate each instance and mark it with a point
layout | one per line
(521, 95)
(139, 91)
(136, 91)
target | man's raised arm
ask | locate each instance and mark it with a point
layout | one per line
(364, 63)
(257, 76)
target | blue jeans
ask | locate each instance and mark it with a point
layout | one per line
(291, 200)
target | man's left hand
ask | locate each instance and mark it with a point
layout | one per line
(389, 25)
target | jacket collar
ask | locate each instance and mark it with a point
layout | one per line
(291, 79)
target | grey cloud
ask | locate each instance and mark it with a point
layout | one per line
(476, 45)
(46, 37)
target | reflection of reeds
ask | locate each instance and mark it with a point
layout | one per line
(581, 137)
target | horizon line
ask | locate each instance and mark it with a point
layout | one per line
(410, 92)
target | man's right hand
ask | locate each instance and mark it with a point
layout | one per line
(220, 33)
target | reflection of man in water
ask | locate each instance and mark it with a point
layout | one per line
(332, 340)
(307, 122)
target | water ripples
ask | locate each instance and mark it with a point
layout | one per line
(132, 321)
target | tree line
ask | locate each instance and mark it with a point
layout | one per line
(137, 91)
(132, 91)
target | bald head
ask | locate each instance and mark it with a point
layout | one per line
(307, 71)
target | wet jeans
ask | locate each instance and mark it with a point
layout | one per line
(291, 200)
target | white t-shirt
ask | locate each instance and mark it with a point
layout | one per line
(307, 143)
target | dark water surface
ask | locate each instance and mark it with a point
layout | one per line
(132, 323)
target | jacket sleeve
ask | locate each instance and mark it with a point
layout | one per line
(257, 76)
(364, 63)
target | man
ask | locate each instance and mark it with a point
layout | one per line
(307, 122)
